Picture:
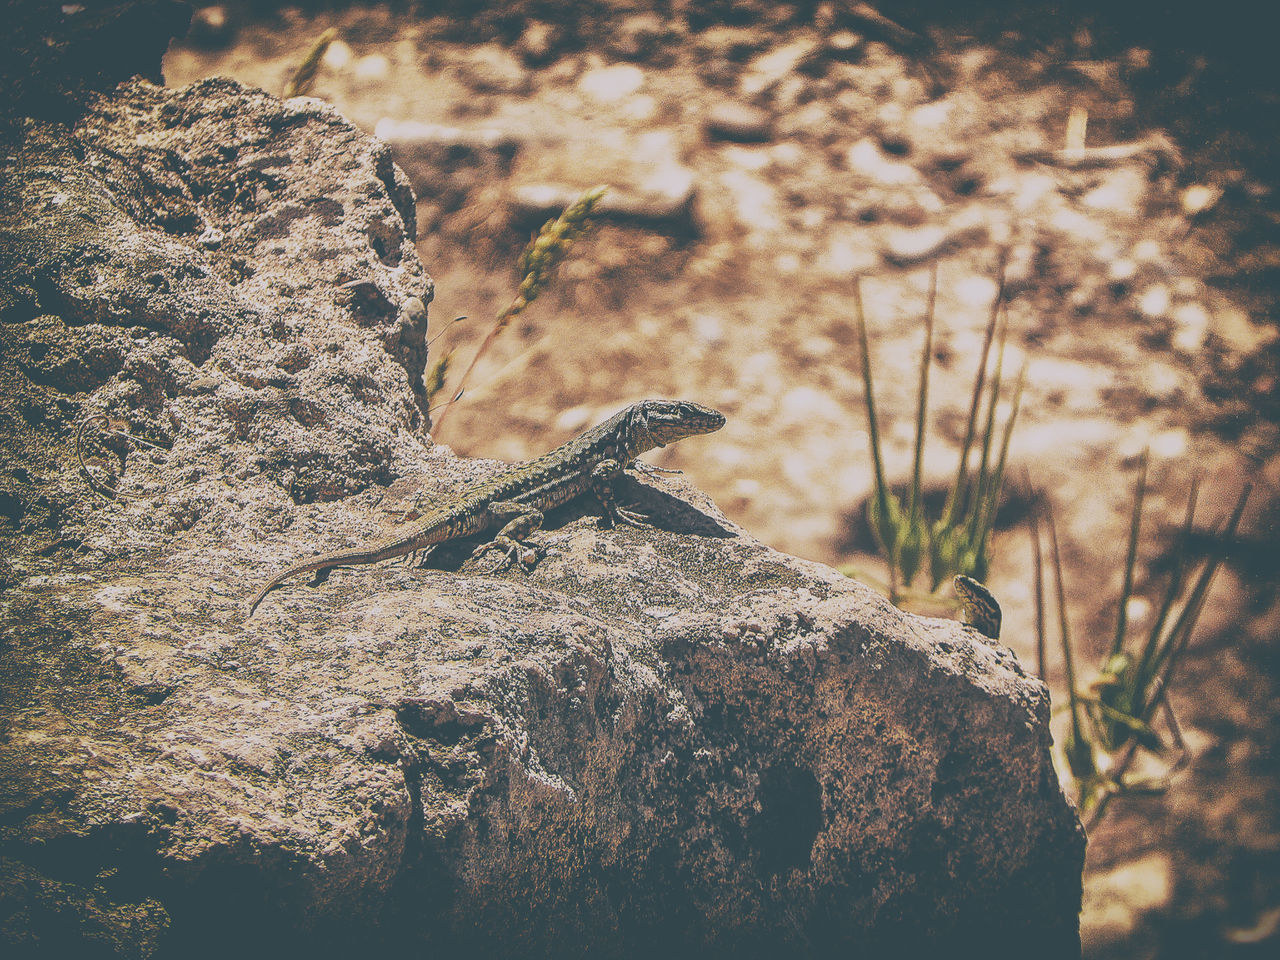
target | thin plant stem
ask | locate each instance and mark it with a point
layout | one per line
(1131, 556)
(1077, 729)
(538, 263)
(883, 513)
(922, 393)
(304, 77)
(978, 384)
(1038, 569)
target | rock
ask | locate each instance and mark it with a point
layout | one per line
(372, 69)
(849, 254)
(730, 44)
(663, 202)
(656, 738)
(1122, 270)
(906, 246)
(767, 69)
(538, 43)
(1191, 327)
(866, 159)
(611, 84)
(1123, 192)
(739, 122)
(753, 202)
(1154, 302)
(844, 46)
(649, 186)
(212, 28)
(1237, 330)
(338, 55)
(1198, 198)
(490, 68)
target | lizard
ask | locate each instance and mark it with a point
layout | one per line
(980, 608)
(514, 500)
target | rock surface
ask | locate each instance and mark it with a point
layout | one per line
(672, 738)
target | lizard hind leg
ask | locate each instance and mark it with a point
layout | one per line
(512, 540)
(602, 480)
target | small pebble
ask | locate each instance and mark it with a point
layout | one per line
(537, 43)
(739, 122)
(493, 69)
(1198, 197)
(372, 67)
(915, 245)
(1122, 270)
(1154, 302)
(865, 158)
(211, 28)
(1122, 192)
(611, 84)
(1193, 327)
(637, 37)
(338, 55)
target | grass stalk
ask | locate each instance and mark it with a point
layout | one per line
(538, 264)
(304, 77)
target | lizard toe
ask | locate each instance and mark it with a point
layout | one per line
(631, 518)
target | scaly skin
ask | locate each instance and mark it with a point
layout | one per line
(514, 501)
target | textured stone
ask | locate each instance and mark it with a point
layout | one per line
(867, 160)
(769, 68)
(664, 201)
(655, 739)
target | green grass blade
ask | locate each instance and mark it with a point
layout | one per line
(1038, 569)
(1131, 556)
(304, 77)
(993, 483)
(884, 516)
(537, 266)
(1170, 653)
(978, 490)
(958, 488)
(922, 392)
(914, 541)
(1079, 749)
(1177, 579)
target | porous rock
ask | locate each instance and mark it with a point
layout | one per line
(663, 739)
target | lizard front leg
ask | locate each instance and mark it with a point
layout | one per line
(603, 476)
(521, 521)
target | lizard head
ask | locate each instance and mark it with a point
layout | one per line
(666, 421)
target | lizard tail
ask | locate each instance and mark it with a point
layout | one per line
(275, 581)
(308, 566)
(324, 561)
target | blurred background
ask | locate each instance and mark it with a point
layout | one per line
(1108, 176)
